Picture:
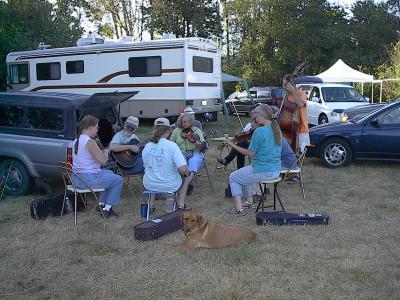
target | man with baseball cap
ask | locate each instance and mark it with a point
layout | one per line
(126, 139)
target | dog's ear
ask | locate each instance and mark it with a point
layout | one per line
(200, 220)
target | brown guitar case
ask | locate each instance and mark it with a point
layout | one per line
(153, 229)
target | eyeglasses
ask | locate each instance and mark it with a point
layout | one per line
(130, 127)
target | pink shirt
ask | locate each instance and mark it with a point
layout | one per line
(83, 161)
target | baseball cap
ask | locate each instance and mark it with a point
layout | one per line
(189, 110)
(132, 121)
(162, 122)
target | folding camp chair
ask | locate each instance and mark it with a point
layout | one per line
(67, 173)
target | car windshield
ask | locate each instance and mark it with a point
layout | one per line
(341, 94)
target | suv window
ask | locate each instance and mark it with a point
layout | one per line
(11, 115)
(44, 118)
(341, 94)
(103, 113)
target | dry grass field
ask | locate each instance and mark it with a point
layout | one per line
(356, 256)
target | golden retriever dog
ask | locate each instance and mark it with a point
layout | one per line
(202, 233)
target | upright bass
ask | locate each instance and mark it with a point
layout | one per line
(286, 120)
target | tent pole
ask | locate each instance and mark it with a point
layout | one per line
(372, 91)
(362, 88)
(380, 93)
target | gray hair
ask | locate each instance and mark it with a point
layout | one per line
(267, 112)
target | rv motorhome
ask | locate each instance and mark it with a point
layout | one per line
(169, 74)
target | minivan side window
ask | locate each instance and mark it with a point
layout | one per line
(44, 118)
(11, 115)
(145, 66)
(18, 74)
(48, 71)
(202, 64)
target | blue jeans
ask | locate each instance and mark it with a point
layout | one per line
(136, 169)
(106, 179)
(241, 180)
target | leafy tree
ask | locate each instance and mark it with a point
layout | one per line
(374, 27)
(391, 89)
(271, 36)
(184, 17)
(25, 23)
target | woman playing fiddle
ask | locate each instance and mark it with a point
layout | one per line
(242, 139)
(265, 151)
(190, 141)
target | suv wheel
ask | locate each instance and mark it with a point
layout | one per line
(19, 182)
(323, 119)
(336, 153)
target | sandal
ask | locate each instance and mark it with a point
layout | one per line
(235, 211)
(248, 205)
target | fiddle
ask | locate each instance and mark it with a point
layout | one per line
(188, 134)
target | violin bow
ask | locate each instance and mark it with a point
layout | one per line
(237, 114)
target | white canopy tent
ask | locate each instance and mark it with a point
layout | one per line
(340, 72)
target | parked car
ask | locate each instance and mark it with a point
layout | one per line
(326, 101)
(360, 111)
(375, 136)
(242, 102)
(37, 131)
(277, 96)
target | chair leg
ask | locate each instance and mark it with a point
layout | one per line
(126, 181)
(208, 175)
(276, 196)
(302, 186)
(63, 205)
(76, 201)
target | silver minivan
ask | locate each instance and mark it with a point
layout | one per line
(327, 101)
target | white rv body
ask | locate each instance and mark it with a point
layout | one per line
(169, 74)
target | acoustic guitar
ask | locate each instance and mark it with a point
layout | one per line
(128, 159)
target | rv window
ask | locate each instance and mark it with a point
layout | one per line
(44, 118)
(18, 74)
(11, 115)
(145, 66)
(202, 64)
(74, 67)
(48, 71)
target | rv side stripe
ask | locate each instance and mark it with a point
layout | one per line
(110, 76)
(105, 86)
(201, 84)
(96, 52)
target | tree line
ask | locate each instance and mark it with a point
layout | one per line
(262, 39)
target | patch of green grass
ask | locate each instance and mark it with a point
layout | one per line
(238, 255)
(105, 250)
(362, 276)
